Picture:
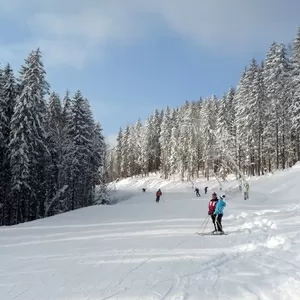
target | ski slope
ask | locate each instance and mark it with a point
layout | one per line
(142, 250)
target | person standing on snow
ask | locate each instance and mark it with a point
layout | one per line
(211, 209)
(197, 192)
(158, 194)
(218, 212)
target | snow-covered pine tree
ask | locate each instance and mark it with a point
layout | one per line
(278, 94)
(197, 125)
(187, 142)
(137, 145)
(250, 117)
(258, 105)
(155, 144)
(55, 142)
(238, 105)
(164, 141)
(131, 153)
(8, 97)
(208, 126)
(118, 154)
(28, 143)
(110, 164)
(295, 101)
(151, 135)
(98, 164)
(125, 152)
(226, 143)
(66, 108)
(194, 139)
(231, 115)
(3, 126)
(213, 125)
(94, 165)
(145, 147)
(78, 152)
(222, 133)
(173, 158)
(243, 124)
(67, 145)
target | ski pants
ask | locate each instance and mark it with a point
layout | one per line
(217, 221)
(213, 218)
(157, 198)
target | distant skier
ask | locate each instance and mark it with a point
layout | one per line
(144, 190)
(158, 194)
(218, 212)
(246, 193)
(211, 209)
(205, 190)
(197, 192)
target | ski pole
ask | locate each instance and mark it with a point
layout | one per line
(205, 224)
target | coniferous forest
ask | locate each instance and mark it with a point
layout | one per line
(52, 152)
(252, 129)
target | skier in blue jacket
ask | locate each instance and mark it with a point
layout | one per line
(218, 212)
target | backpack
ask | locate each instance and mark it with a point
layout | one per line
(211, 206)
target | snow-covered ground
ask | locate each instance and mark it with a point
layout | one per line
(142, 250)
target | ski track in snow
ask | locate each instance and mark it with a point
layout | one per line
(142, 250)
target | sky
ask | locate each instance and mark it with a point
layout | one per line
(129, 57)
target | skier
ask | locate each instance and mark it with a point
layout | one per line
(158, 194)
(197, 192)
(144, 190)
(218, 212)
(205, 190)
(246, 193)
(211, 209)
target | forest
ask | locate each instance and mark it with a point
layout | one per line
(252, 129)
(52, 151)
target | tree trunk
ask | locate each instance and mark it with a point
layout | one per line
(298, 146)
(283, 147)
(277, 147)
(259, 151)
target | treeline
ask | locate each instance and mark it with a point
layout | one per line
(254, 128)
(51, 151)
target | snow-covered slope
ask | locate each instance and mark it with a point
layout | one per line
(140, 249)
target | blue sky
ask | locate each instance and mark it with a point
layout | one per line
(129, 57)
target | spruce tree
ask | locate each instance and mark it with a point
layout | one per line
(28, 148)
(295, 101)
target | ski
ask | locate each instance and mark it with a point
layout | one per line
(211, 233)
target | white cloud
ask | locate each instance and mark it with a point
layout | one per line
(74, 31)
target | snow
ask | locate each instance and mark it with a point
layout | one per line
(140, 249)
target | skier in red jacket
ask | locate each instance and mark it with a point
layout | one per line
(158, 194)
(211, 208)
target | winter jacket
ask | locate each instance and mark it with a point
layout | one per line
(220, 207)
(158, 193)
(211, 206)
